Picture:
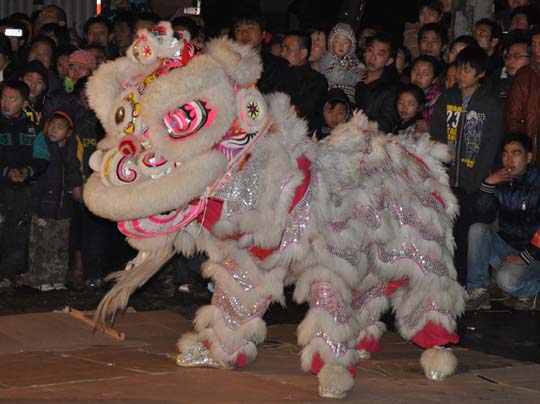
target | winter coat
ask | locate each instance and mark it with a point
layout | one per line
(378, 99)
(21, 146)
(474, 134)
(516, 205)
(86, 135)
(523, 105)
(51, 197)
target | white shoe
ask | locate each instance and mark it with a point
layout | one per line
(47, 287)
(59, 286)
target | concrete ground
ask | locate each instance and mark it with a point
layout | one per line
(55, 358)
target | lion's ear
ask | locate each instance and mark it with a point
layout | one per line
(241, 62)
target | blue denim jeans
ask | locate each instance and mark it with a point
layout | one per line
(487, 248)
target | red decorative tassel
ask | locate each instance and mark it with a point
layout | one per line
(434, 335)
(369, 344)
(241, 361)
(316, 364)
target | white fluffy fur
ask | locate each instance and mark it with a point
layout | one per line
(336, 379)
(439, 361)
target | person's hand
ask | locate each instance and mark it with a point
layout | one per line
(362, 75)
(513, 259)
(502, 175)
(422, 125)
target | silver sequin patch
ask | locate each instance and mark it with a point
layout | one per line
(361, 298)
(241, 277)
(331, 392)
(368, 215)
(410, 251)
(413, 318)
(299, 218)
(408, 217)
(348, 254)
(323, 296)
(339, 349)
(235, 313)
(199, 355)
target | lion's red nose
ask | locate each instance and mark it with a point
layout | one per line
(129, 146)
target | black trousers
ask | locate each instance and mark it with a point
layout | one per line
(461, 232)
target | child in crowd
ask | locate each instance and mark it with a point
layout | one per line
(451, 76)
(409, 106)
(339, 63)
(430, 11)
(23, 157)
(52, 208)
(36, 77)
(425, 74)
(458, 44)
(336, 110)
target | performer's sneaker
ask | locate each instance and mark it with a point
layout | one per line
(478, 299)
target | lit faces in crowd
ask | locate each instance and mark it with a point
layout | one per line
(290, 51)
(515, 158)
(519, 21)
(431, 44)
(482, 34)
(249, 33)
(41, 51)
(57, 129)
(422, 74)
(516, 57)
(334, 115)
(35, 83)
(468, 78)
(454, 50)
(377, 56)
(11, 102)
(451, 77)
(427, 15)
(341, 45)
(407, 106)
(98, 33)
(318, 46)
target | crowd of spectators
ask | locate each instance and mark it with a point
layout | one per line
(478, 93)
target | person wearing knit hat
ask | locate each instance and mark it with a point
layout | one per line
(339, 63)
(81, 63)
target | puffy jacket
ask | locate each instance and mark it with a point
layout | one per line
(474, 134)
(523, 105)
(516, 204)
(21, 146)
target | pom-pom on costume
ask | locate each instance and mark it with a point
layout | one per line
(195, 158)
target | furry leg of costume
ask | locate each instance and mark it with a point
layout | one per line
(327, 332)
(228, 330)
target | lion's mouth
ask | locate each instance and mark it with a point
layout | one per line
(117, 169)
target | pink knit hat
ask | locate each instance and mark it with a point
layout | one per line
(83, 58)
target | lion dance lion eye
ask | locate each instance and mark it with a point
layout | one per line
(120, 115)
(188, 119)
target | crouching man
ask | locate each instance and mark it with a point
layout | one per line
(511, 194)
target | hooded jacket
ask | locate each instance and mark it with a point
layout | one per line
(473, 133)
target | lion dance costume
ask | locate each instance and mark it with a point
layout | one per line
(195, 158)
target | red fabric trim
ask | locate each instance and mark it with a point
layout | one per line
(392, 286)
(434, 335)
(352, 370)
(316, 364)
(241, 361)
(369, 344)
(211, 214)
(261, 253)
(536, 239)
(304, 165)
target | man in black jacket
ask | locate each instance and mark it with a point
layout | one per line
(511, 194)
(312, 86)
(376, 94)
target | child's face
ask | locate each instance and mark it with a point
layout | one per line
(456, 48)
(334, 116)
(11, 102)
(467, 77)
(341, 45)
(35, 82)
(57, 130)
(422, 75)
(451, 77)
(427, 15)
(407, 106)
